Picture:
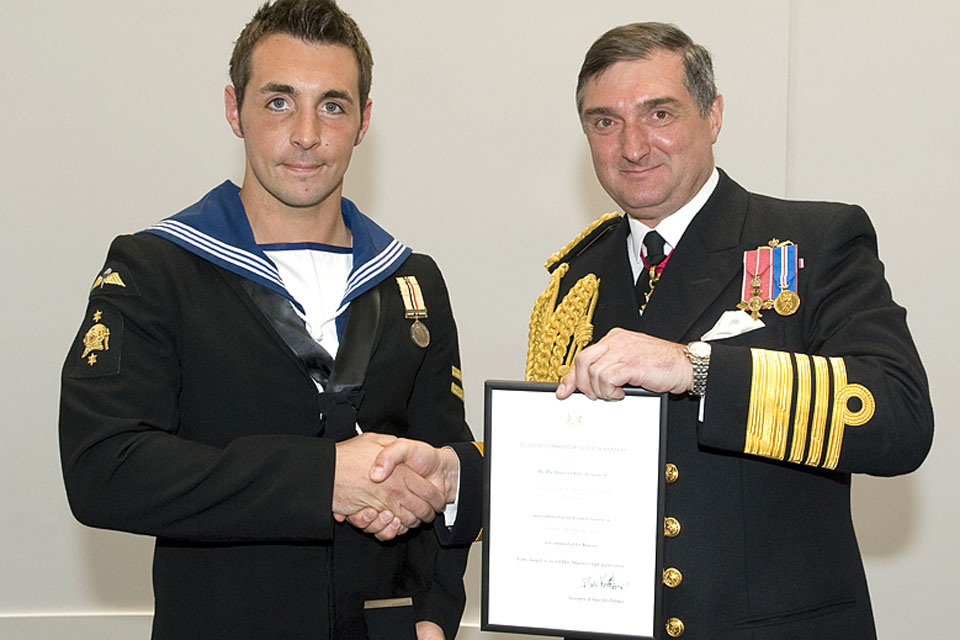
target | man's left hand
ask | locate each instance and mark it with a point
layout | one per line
(628, 358)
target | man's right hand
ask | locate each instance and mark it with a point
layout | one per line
(628, 358)
(408, 497)
(441, 467)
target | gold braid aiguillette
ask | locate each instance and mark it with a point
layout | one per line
(558, 334)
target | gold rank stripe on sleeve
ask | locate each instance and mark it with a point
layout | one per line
(456, 386)
(802, 413)
(780, 386)
(819, 426)
(768, 419)
(842, 416)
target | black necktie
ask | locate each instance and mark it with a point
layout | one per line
(654, 245)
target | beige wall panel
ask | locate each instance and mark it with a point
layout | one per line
(872, 114)
(113, 119)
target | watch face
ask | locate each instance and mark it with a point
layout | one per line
(700, 349)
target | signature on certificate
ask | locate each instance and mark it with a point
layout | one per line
(603, 582)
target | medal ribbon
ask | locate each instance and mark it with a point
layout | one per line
(412, 297)
(785, 266)
(660, 267)
(757, 263)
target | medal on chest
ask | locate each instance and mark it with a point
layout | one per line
(770, 279)
(414, 309)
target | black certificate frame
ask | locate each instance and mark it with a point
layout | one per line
(493, 531)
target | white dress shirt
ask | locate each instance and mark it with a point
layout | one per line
(670, 228)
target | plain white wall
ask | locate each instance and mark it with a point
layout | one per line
(113, 118)
(873, 121)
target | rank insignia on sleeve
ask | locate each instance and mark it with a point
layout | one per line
(414, 309)
(770, 279)
(456, 387)
(98, 348)
(805, 402)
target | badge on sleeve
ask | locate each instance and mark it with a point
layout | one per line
(97, 351)
(770, 279)
(115, 279)
(109, 276)
(456, 387)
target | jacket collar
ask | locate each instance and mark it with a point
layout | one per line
(704, 262)
(216, 229)
(707, 258)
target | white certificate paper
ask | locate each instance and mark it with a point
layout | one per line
(573, 522)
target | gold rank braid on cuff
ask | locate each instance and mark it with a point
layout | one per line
(773, 394)
(559, 331)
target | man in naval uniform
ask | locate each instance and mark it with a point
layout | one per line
(770, 324)
(230, 355)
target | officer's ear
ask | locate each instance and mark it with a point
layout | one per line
(716, 116)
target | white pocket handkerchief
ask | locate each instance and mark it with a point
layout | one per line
(732, 323)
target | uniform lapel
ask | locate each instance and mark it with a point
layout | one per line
(707, 258)
(294, 340)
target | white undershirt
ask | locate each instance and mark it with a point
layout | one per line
(316, 276)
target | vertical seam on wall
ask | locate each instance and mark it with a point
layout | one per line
(789, 152)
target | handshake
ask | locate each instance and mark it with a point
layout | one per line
(386, 485)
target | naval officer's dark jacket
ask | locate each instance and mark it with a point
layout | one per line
(187, 416)
(759, 531)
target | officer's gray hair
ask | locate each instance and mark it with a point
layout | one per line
(639, 41)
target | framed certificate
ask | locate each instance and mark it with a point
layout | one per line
(573, 512)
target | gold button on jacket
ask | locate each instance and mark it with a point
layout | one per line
(672, 577)
(674, 627)
(672, 473)
(671, 527)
